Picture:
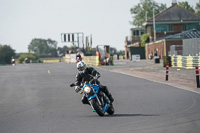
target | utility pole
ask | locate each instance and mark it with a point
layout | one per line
(146, 15)
(154, 25)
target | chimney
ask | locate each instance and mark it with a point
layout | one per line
(174, 2)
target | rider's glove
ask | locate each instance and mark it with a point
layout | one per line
(77, 89)
(97, 76)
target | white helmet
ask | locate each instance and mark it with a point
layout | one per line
(81, 66)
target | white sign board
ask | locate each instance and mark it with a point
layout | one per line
(136, 57)
(115, 57)
(73, 57)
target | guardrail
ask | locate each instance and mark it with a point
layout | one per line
(188, 62)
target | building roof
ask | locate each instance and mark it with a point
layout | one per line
(184, 35)
(175, 13)
(138, 28)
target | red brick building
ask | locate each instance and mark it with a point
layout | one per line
(172, 21)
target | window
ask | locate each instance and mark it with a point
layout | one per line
(164, 28)
(184, 28)
(135, 33)
(170, 27)
(148, 29)
(190, 26)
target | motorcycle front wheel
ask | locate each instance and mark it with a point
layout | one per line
(111, 110)
(96, 107)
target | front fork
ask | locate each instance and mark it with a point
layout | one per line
(92, 106)
(104, 99)
(97, 101)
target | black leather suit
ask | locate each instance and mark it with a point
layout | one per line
(82, 77)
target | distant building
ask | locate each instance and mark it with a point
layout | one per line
(171, 26)
(135, 40)
(173, 21)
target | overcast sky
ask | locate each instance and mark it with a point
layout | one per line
(107, 20)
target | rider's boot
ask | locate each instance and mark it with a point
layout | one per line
(111, 98)
(105, 90)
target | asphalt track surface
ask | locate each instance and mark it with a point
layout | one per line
(36, 98)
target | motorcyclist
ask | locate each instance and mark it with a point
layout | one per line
(13, 61)
(78, 57)
(84, 75)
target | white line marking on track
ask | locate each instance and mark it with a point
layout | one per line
(152, 80)
(49, 72)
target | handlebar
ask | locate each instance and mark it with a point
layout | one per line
(72, 85)
(94, 78)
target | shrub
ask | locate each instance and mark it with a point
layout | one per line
(29, 56)
(144, 39)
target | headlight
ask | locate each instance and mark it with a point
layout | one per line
(87, 89)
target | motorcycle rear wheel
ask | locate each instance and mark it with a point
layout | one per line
(96, 107)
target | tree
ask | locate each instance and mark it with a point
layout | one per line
(43, 47)
(145, 6)
(93, 51)
(198, 8)
(121, 52)
(186, 6)
(63, 50)
(29, 56)
(73, 49)
(113, 50)
(38, 46)
(6, 54)
(52, 47)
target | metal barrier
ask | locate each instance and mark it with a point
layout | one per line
(188, 62)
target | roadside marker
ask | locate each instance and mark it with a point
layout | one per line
(167, 71)
(197, 76)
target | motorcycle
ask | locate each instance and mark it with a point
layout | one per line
(97, 99)
(13, 62)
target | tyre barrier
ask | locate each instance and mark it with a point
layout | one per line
(188, 62)
(91, 60)
(50, 61)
